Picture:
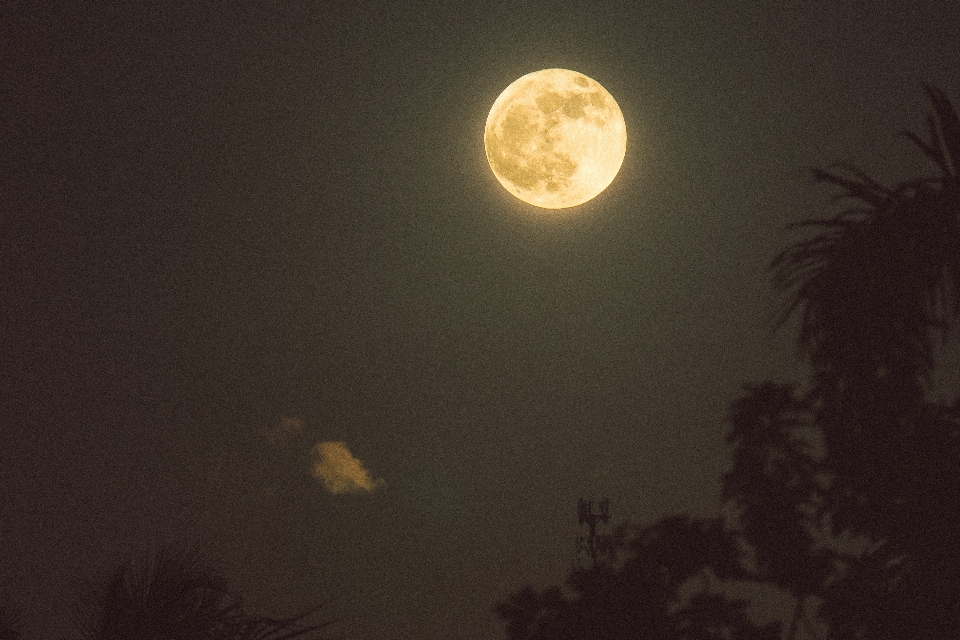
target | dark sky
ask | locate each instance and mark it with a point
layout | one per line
(221, 217)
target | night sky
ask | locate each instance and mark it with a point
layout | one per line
(232, 231)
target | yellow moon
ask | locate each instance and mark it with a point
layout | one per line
(555, 138)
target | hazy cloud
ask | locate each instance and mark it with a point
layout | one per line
(285, 430)
(340, 471)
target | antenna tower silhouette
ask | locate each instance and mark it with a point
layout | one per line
(594, 545)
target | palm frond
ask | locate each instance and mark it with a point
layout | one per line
(175, 595)
(859, 187)
(881, 275)
(948, 123)
(934, 150)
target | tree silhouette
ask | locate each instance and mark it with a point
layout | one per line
(529, 614)
(710, 616)
(640, 596)
(877, 289)
(878, 276)
(173, 595)
(776, 490)
(874, 288)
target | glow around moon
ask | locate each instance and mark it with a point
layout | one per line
(555, 138)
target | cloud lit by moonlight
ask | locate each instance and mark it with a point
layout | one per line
(339, 471)
(285, 430)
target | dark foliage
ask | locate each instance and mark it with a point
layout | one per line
(776, 487)
(173, 595)
(878, 292)
(639, 597)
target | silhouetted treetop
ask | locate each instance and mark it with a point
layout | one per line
(877, 290)
(776, 486)
(879, 278)
(639, 595)
(173, 595)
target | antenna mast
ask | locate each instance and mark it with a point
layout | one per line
(594, 545)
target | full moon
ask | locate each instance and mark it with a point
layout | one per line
(555, 138)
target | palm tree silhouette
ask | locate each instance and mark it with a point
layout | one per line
(173, 596)
(877, 288)
(880, 276)
(874, 288)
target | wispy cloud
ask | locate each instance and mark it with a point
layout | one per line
(285, 430)
(340, 471)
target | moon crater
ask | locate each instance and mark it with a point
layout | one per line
(555, 138)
